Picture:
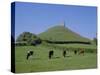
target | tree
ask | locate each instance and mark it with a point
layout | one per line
(28, 37)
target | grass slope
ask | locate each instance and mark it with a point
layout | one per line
(60, 33)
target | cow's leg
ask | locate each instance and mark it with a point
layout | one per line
(50, 56)
(64, 53)
(28, 56)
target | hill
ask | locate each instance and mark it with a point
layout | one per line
(61, 33)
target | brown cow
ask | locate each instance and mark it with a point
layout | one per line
(81, 51)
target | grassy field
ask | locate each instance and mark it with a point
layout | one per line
(41, 62)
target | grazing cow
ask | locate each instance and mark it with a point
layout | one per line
(81, 51)
(29, 53)
(50, 54)
(75, 52)
(64, 53)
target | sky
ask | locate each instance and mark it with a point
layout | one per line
(37, 18)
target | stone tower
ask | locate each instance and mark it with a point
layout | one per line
(63, 24)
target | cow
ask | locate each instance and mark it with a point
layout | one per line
(81, 51)
(51, 54)
(29, 53)
(75, 52)
(64, 53)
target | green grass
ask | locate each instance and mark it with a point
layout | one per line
(61, 33)
(40, 62)
(91, 46)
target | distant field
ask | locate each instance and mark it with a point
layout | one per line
(78, 46)
(41, 62)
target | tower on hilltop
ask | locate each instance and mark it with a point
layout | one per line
(63, 24)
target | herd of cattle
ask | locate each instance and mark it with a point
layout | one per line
(51, 53)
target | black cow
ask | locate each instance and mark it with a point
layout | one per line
(51, 54)
(75, 52)
(64, 53)
(29, 53)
